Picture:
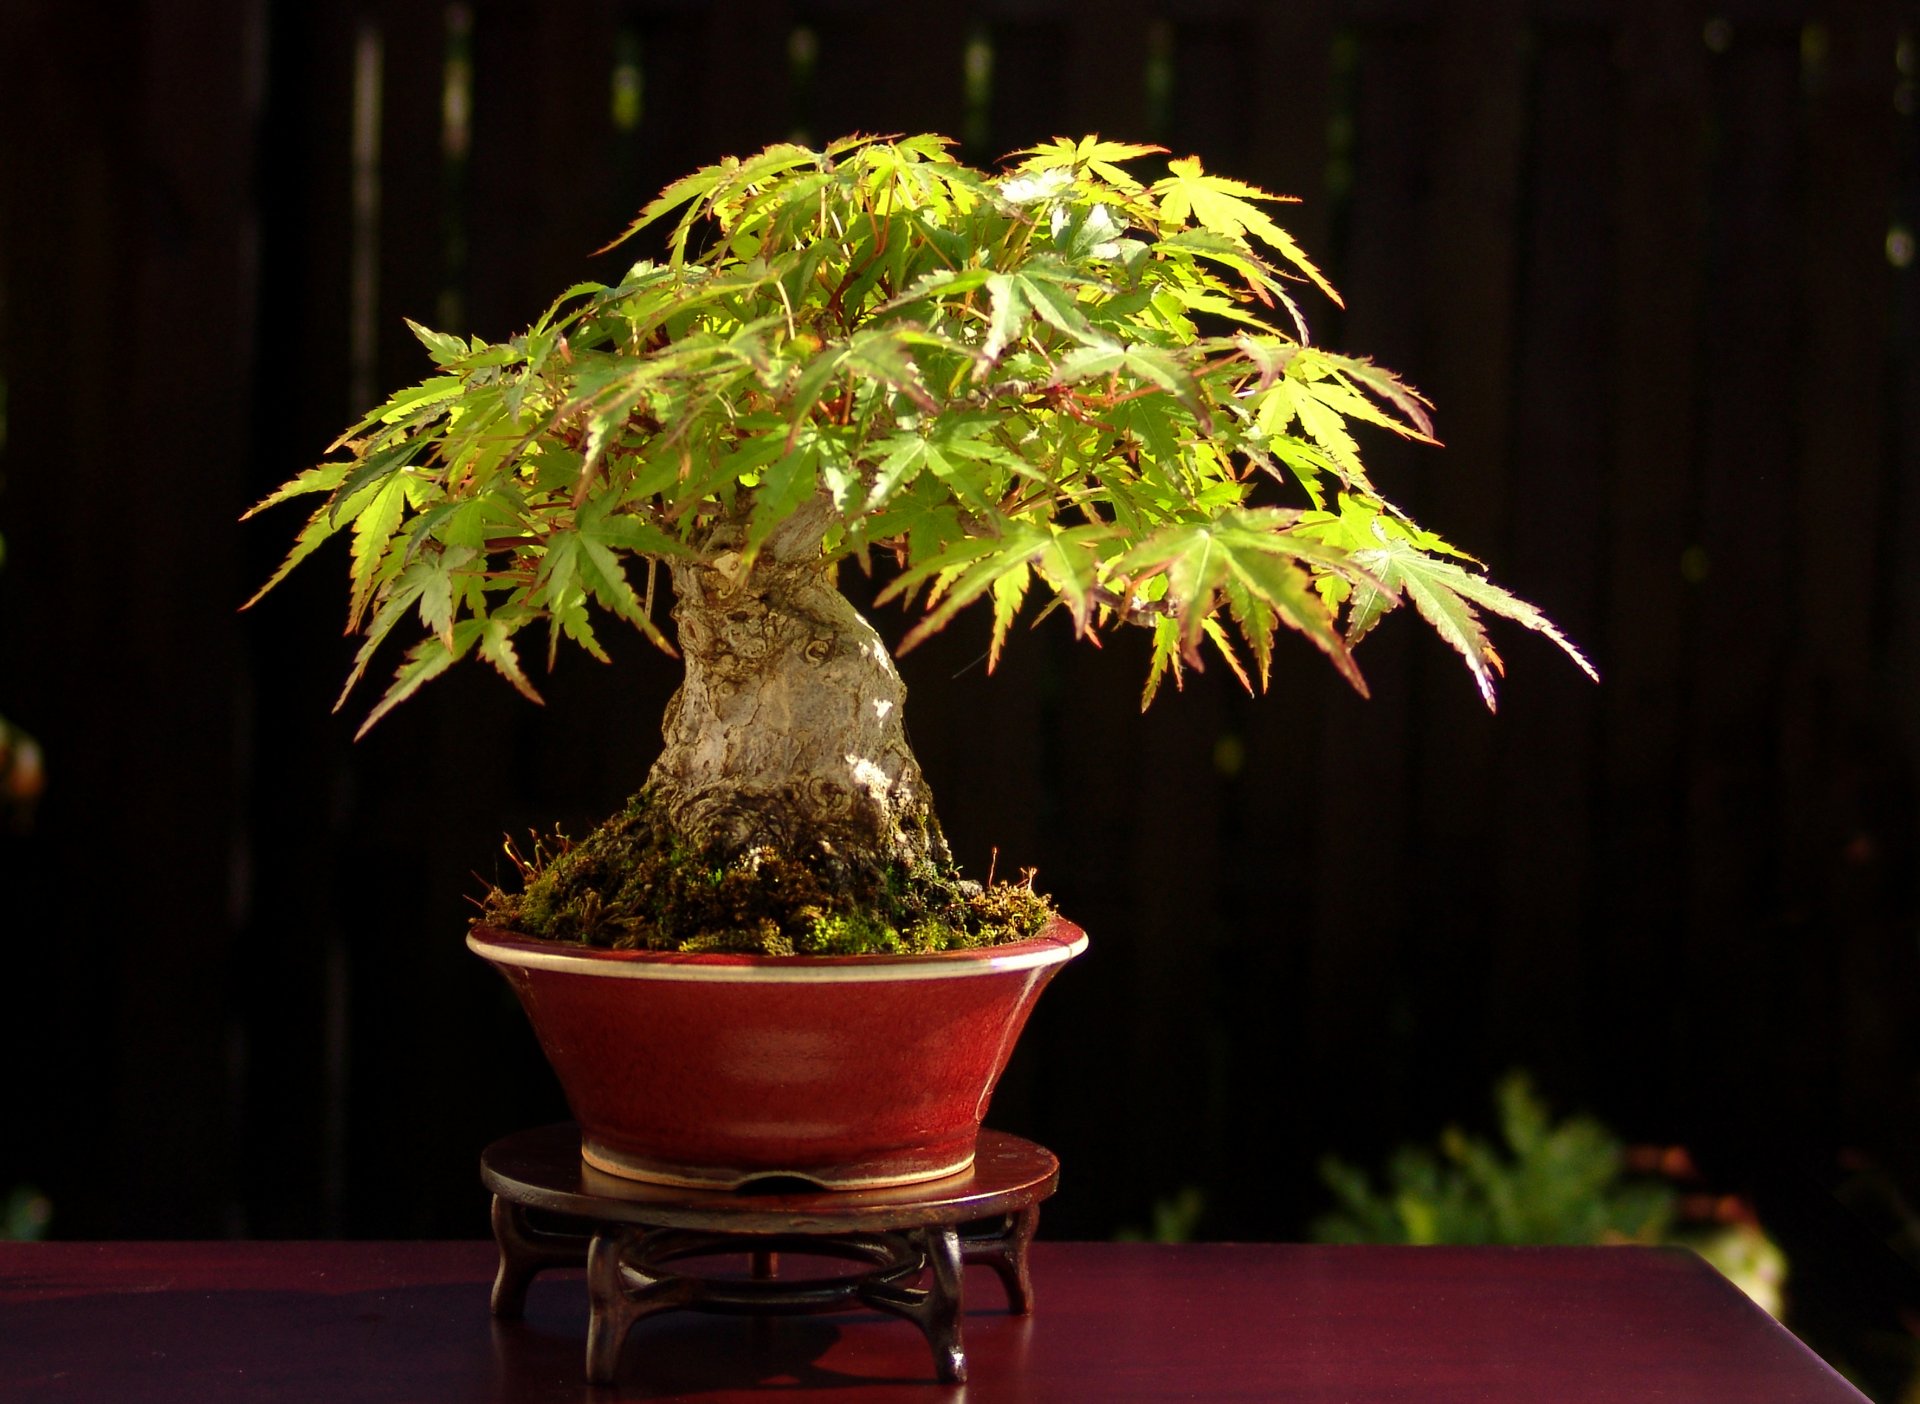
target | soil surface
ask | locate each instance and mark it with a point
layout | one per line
(634, 884)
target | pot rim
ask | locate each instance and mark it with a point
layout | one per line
(1060, 941)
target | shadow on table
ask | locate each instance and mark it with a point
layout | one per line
(426, 1342)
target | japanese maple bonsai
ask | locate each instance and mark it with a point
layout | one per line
(1059, 387)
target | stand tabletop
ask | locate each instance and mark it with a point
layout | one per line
(371, 1322)
(543, 1169)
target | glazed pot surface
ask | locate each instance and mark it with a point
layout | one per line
(716, 1070)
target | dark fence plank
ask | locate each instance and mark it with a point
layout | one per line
(1543, 763)
(1642, 646)
(129, 287)
(1840, 805)
(1743, 507)
(1472, 236)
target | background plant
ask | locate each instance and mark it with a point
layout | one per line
(1543, 1182)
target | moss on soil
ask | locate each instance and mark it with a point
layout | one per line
(632, 884)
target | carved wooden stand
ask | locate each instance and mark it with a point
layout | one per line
(630, 1237)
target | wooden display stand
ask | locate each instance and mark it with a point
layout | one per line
(636, 1241)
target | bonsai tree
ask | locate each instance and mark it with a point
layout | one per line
(1061, 387)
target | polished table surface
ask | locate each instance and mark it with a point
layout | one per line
(361, 1322)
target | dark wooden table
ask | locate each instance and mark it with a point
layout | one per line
(363, 1322)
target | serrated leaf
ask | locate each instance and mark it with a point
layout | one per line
(436, 602)
(941, 282)
(690, 188)
(897, 470)
(1008, 592)
(1049, 291)
(626, 532)
(445, 349)
(1072, 568)
(606, 580)
(1389, 387)
(428, 392)
(570, 617)
(1446, 595)
(881, 354)
(1165, 659)
(1327, 429)
(964, 569)
(1342, 399)
(373, 528)
(496, 646)
(1289, 592)
(427, 582)
(1218, 637)
(1092, 153)
(425, 661)
(323, 477)
(1007, 319)
(1202, 561)
(1226, 207)
(1151, 364)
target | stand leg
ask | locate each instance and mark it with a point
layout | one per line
(934, 1309)
(618, 1296)
(1006, 1253)
(943, 1325)
(524, 1251)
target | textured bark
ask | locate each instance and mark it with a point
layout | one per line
(787, 731)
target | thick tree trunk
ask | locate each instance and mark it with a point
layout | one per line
(787, 732)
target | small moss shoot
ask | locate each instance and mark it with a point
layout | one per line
(632, 884)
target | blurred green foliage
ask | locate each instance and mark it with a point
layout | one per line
(25, 1214)
(1175, 1219)
(1544, 1183)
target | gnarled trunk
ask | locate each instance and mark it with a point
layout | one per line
(787, 731)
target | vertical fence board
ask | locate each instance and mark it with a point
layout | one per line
(861, 85)
(1563, 375)
(1643, 645)
(1848, 810)
(64, 208)
(1029, 101)
(747, 94)
(1837, 717)
(1215, 55)
(1745, 497)
(127, 251)
(294, 1162)
(1897, 657)
(1471, 229)
(1105, 72)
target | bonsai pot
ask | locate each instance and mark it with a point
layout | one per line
(712, 1070)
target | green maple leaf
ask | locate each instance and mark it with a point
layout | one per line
(1226, 207)
(1450, 598)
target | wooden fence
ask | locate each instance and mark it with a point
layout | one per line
(1651, 262)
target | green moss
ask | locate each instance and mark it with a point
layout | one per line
(634, 884)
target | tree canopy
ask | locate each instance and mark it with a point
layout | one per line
(1059, 385)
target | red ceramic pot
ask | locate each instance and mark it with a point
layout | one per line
(714, 1070)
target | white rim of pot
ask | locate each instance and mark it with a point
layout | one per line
(756, 970)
